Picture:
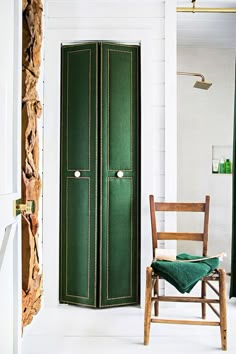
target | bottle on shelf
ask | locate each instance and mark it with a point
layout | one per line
(227, 166)
(215, 166)
(222, 165)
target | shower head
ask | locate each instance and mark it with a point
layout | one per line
(198, 84)
(202, 85)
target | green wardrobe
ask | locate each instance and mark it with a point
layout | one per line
(100, 174)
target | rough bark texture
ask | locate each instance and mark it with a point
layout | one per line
(31, 182)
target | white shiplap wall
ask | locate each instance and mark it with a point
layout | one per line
(152, 24)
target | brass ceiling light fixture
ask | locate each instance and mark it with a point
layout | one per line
(198, 84)
(194, 9)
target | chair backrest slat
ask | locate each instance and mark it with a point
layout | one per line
(179, 207)
(186, 236)
(191, 207)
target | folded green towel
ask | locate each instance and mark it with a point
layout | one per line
(185, 275)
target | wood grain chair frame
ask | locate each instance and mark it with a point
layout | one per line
(217, 304)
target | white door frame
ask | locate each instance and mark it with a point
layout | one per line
(10, 180)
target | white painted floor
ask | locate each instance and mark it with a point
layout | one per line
(76, 330)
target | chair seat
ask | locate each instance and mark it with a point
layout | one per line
(185, 275)
(214, 276)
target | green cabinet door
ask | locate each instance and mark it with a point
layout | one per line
(99, 225)
(78, 195)
(119, 177)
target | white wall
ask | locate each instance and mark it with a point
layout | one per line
(205, 118)
(152, 24)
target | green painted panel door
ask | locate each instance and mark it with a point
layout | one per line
(99, 226)
(119, 177)
(79, 154)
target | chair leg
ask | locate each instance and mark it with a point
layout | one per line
(203, 297)
(156, 294)
(223, 313)
(148, 305)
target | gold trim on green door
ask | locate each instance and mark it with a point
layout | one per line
(117, 233)
(77, 208)
(75, 160)
(125, 104)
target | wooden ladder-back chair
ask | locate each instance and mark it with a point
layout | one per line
(152, 278)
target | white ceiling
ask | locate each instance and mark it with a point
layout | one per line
(211, 30)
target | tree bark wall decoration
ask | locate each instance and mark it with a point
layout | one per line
(31, 182)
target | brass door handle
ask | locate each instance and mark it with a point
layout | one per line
(27, 208)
